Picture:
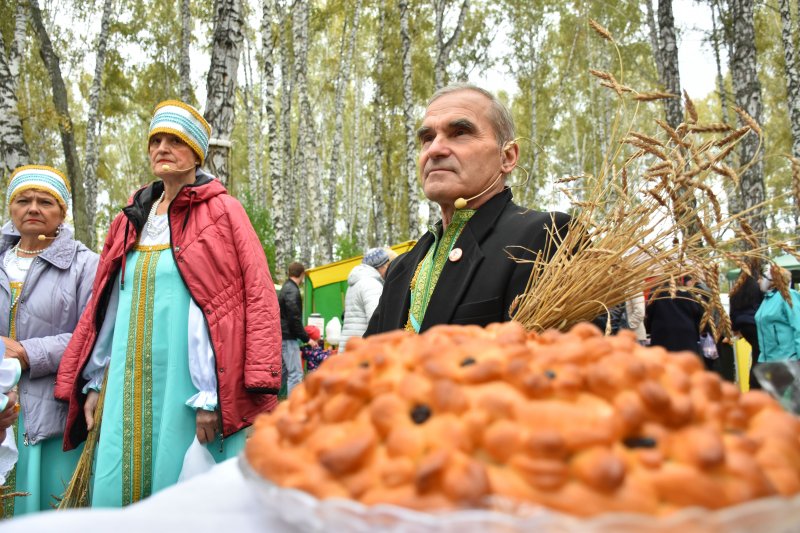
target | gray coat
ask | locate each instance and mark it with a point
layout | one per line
(56, 290)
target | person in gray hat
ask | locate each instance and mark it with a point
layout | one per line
(365, 285)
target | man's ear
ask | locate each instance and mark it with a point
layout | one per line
(510, 152)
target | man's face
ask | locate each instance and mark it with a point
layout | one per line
(459, 155)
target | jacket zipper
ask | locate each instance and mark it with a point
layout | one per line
(205, 319)
(20, 300)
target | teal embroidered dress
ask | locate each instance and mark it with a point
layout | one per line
(146, 425)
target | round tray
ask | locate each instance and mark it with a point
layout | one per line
(767, 515)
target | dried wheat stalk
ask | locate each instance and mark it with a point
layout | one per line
(642, 235)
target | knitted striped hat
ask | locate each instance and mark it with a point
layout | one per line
(177, 118)
(39, 178)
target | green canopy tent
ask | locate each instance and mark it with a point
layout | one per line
(787, 261)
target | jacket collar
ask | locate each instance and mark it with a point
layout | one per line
(456, 277)
(137, 210)
(60, 253)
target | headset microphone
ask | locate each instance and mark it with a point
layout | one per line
(43, 237)
(461, 203)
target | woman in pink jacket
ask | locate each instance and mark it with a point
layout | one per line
(184, 328)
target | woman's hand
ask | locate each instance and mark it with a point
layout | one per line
(9, 414)
(15, 350)
(89, 408)
(208, 425)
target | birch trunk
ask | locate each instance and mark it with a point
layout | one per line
(378, 211)
(651, 25)
(93, 126)
(185, 63)
(268, 76)
(747, 89)
(408, 126)
(731, 191)
(723, 93)
(342, 81)
(668, 57)
(253, 175)
(13, 148)
(444, 46)
(792, 73)
(221, 85)
(61, 103)
(284, 224)
(307, 172)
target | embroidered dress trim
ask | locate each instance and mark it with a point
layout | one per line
(138, 423)
(430, 268)
(153, 248)
(7, 508)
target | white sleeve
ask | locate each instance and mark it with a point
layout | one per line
(202, 366)
(101, 354)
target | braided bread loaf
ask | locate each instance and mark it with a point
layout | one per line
(463, 416)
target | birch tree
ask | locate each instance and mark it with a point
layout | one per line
(253, 174)
(307, 171)
(284, 225)
(66, 129)
(221, 84)
(444, 45)
(342, 81)
(792, 73)
(93, 125)
(715, 38)
(666, 54)
(378, 211)
(13, 148)
(268, 81)
(408, 125)
(185, 62)
(747, 89)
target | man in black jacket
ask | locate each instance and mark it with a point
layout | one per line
(463, 272)
(292, 329)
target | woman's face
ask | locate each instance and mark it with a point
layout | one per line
(170, 156)
(765, 282)
(35, 213)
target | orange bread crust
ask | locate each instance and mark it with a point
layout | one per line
(463, 416)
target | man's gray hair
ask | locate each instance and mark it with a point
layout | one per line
(499, 115)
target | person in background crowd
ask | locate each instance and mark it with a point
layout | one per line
(745, 298)
(635, 310)
(778, 317)
(47, 278)
(314, 356)
(365, 285)
(674, 323)
(466, 270)
(292, 331)
(184, 323)
(618, 321)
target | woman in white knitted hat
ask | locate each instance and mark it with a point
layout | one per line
(46, 280)
(185, 324)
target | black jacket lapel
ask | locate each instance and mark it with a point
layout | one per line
(398, 284)
(456, 276)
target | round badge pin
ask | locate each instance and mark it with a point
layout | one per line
(455, 254)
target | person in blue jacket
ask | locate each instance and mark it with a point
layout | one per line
(778, 317)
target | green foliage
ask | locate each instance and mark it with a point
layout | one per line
(261, 219)
(543, 68)
(347, 246)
